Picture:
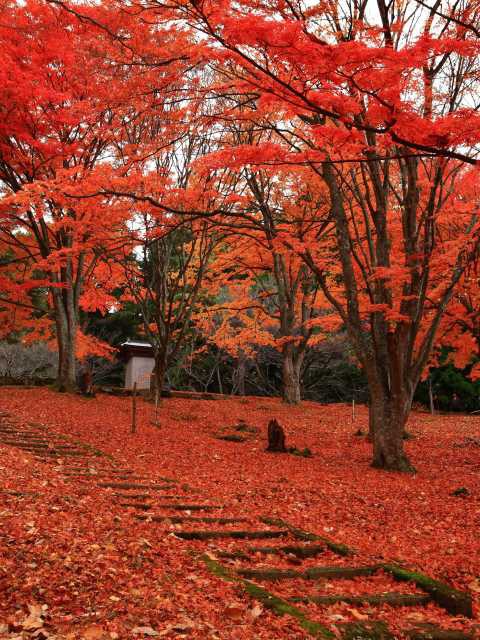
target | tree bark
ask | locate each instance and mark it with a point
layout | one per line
(291, 370)
(387, 418)
(159, 373)
(240, 373)
(66, 335)
(371, 423)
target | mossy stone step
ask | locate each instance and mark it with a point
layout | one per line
(26, 445)
(34, 446)
(433, 632)
(22, 437)
(300, 551)
(271, 601)
(174, 506)
(300, 534)
(180, 519)
(375, 630)
(143, 506)
(16, 441)
(68, 447)
(102, 474)
(312, 573)
(106, 476)
(133, 485)
(94, 476)
(20, 433)
(140, 496)
(56, 453)
(18, 494)
(94, 471)
(452, 600)
(177, 506)
(392, 599)
(242, 535)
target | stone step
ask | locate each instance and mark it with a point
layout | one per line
(93, 471)
(19, 432)
(20, 437)
(70, 446)
(142, 506)
(100, 473)
(242, 535)
(175, 506)
(37, 446)
(26, 446)
(433, 632)
(131, 485)
(141, 496)
(312, 573)
(372, 630)
(452, 600)
(97, 476)
(391, 599)
(18, 494)
(299, 551)
(181, 519)
(59, 453)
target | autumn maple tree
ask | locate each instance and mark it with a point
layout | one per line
(270, 295)
(52, 132)
(377, 101)
(69, 88)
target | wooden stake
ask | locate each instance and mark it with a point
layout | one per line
(156, 407)
(134, 408)
(353, 410)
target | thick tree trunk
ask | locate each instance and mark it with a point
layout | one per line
(388, 416)
(66, 330)
(291, 369)
(371, 424)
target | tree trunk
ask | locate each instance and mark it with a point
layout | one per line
(387, 418)
(159, 373)
(66, 334)
(371, 423)
(240, 373)
(291, 369)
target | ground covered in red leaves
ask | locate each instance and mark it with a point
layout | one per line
(99, 573)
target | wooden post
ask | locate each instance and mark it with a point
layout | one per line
(156, 407)
(353, 410)
(134, 408)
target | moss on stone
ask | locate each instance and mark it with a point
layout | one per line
(392, 599)
(312, 573)
(270, 601)
(338, 548)
(454, 601)
(366, 631)
(230, 533)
